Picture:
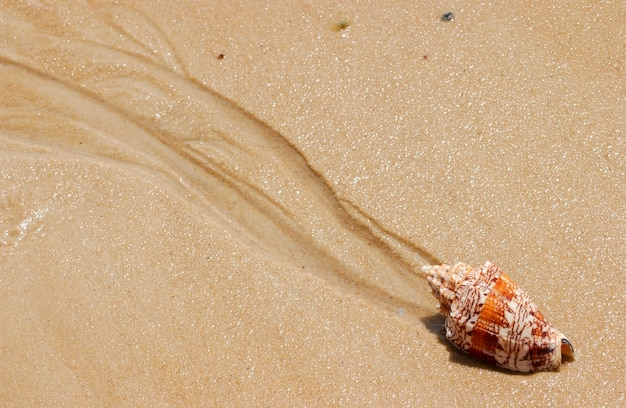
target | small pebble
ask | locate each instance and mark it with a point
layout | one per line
(449, 16)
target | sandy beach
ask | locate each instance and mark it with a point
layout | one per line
(212, 204)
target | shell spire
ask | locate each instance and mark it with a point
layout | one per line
(489, 317)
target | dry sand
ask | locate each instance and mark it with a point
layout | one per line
(225, 205)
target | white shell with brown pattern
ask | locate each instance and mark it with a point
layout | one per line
(489, 317)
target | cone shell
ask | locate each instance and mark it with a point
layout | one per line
(489, 317)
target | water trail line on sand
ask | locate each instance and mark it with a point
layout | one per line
(126, 104)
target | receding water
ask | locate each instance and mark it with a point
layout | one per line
(135, 106)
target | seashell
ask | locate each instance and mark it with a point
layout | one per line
(489, 317)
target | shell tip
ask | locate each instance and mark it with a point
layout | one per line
(426, 268)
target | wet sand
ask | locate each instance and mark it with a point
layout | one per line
(227, 206)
